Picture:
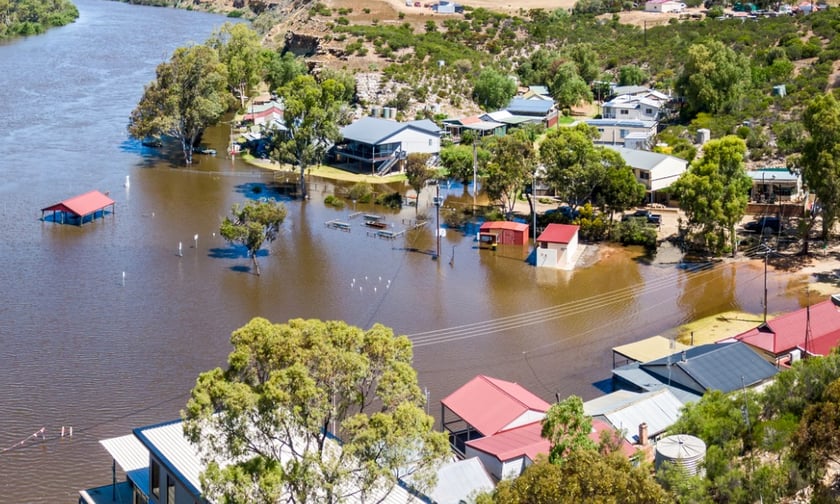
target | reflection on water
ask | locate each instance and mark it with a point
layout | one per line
(105, 327)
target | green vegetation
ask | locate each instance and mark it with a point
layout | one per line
(253, 224)
(31, 17)
(287, 389)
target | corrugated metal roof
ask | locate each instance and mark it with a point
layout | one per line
(127, 451)
(489, 404)
(717, 366)
(658, 409)
(461, 481)
(83, 204)
(532, 107)
(644, 160)
(627, 123)
(514, 226)
(558, 233)
(373, 130)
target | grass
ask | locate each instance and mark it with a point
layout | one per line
(327, 172)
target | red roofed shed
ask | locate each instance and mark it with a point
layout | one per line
(777, 338)
(557, 246)
(78, 208)
(503, 233)
(485, 406)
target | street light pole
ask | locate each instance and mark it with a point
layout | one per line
(534, 206)
(437, 219)
(475, 172)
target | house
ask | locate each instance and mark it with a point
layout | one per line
(812, 330)
(646, 350)
(664, 6)
(557, 246)
(635, 107)
(715, 366)
(537, 93)
(508, 119)
(172, 469)
(773, 184)
(542, 111)
(618, 131)
(626, 411)
(447, 7)
(656, 171)
(503, 233)
(265, 113)
(376, 145)
(508, 453)
(480, 126)
(461, 481)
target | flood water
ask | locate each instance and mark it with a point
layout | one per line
(105, 327)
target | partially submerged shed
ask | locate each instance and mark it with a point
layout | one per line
(80, 209)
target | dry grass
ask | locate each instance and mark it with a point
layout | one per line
(717, 327)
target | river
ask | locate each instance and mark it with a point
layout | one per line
(105, 327)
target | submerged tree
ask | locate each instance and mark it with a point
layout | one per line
(188, 94)
(311, 120)
(240, 50)
(418, 173)
(511, 166)
(264, 425)
(252, 225)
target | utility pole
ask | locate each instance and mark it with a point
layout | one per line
(475, 171)
(534, 210)
(437, 219)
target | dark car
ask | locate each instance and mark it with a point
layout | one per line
(764, 225)
(647, 215)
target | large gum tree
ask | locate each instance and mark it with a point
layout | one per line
(263, 426)
(188, 94)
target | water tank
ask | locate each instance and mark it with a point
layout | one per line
(687, 451)
(703, 136)
(386, 112)
(375, 111)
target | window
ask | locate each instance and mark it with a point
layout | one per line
(155, 482)
(649, 111)
(170, 490)
(644, 175)
(430, 142)
(624, 111)
(623, 133)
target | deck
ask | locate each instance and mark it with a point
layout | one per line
(107, 494)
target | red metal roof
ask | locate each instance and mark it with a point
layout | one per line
(527, 440)
(787, 332)
(513, 226)
(558, 233)
(82, 205)
(489, 404)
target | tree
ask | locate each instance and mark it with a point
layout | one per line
(418, 173)
(620, 189)
(567, 428)
(714, 192)
(493, 90)
(458, 161)
(263, 426)
(714, 78)
(312, 111)
(511, 166)
(574, 167)
(817, 440)
(188, 94)
(568, 88)
(584, 476)
(252, 225)
(631, 75)
(240, 50)
(283, 68)
(820, 159)
(586, 61)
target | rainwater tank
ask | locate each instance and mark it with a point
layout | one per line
(682, 449)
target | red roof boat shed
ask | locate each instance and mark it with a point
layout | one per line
(79, 208)
(504, 232)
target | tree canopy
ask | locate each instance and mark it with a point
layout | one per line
(511, 166)
(714, 193)
(252, 225)
(714, 78)
(241, 51)
(493, 90)
(417, 172)
(311, 119)
(31, 17)
(287, 389)
(820, 159)
(188, 94)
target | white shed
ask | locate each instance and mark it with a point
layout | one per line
(557, 246)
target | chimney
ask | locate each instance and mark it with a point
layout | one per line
(643, 434)
(683, 355)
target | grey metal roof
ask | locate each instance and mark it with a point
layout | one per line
(529, 107)
(770, 175)
(461, 481)
(127, 451)
(543, 90)
(373, 130)
(629, 123)
(718, 366)
(633, 375)
(620, 90)
(658, 409)
(643, 160)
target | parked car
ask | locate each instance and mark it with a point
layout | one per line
(764, 225)
(644, 213)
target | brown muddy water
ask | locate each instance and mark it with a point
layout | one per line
(105, 327)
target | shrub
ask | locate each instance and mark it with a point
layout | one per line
(334, 201)
(361, 192)
(390, 200)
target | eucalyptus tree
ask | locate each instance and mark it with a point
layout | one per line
(311, 117)
(253, 224)
(493, 90)
(240, 49)
(189, 93)
(573, 166)
(511, 166)
(820, 159)
(264, 426)
(713, 193)
(714, 78)
(417, 172)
